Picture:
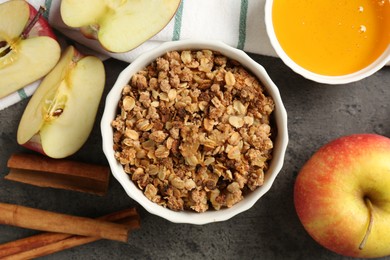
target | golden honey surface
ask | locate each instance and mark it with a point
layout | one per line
(332, 37)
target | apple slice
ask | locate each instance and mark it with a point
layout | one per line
(60, 115)
(28, 48)
(119, 25)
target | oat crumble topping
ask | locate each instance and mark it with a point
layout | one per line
(194, 131)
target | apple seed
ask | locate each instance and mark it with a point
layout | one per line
(54, 107)
(57, 112)
(4, 48)
(3, 44)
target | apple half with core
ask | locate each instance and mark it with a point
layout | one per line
(119, 26)
(28, 46)
(342, 195)
(60, 115)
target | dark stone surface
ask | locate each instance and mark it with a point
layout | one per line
(269, 230)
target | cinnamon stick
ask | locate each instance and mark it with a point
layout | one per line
(31, 218)
(66, 174)
(61, 245)
(46, 243)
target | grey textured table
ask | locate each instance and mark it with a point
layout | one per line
(270, 230)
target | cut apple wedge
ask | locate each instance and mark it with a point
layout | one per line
(28, 48)
(119, 26)
(60, 115)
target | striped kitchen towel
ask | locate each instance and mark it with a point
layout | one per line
(238, 23)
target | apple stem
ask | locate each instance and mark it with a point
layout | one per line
(368, 231)
(28, 28)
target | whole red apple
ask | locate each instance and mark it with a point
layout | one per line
(342, 195)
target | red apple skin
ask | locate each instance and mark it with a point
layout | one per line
(41, 27)
(34, 144)
(330, 192)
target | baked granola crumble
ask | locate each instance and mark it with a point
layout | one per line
(194, 131)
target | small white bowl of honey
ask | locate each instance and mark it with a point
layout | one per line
(333, 41)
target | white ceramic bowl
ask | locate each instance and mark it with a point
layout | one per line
(363, 73)
(190, 217)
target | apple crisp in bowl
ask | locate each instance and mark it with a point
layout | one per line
(195, 131)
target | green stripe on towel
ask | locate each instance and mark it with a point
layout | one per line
(178, 19)
(242, 28)
(47, 11)
(22, 94)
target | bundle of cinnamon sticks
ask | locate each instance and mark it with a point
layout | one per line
(63, 231)
(42, 171)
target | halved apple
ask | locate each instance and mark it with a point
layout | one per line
(119, 25)
(60, 115)
(28, 48)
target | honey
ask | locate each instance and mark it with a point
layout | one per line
(332, 37)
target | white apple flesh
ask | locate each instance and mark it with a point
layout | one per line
(342, 195)
(119, 25)
(24, 60)
(60, 115)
